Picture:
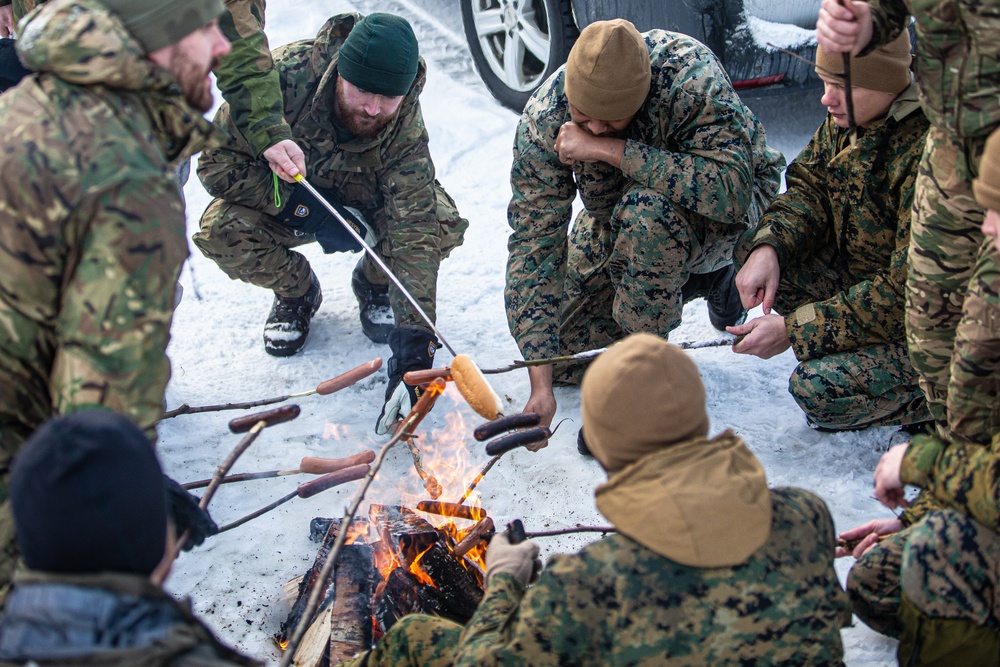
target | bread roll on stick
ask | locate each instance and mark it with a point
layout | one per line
(474, 388)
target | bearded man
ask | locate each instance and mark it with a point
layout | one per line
(351, 99)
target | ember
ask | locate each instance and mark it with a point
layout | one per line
(395, 563)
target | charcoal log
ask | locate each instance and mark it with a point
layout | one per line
(403, 594)
(459, 589)
(351, 611)
(403, 532)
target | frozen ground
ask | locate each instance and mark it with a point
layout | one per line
(235, 579)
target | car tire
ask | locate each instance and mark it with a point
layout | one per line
(542, 32)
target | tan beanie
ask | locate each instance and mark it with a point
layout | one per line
(986, 187)
(887, 68)
(607, 72)
(640, 396)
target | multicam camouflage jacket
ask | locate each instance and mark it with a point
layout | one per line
(104, 620)
(246, 76)
(91, 222)
(617, 602)
(390, 178)
(858, 201)
(958, 59)
(693, 140)
(960, 476)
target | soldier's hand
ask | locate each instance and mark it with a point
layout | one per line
(187, 515)
(575, 144)
(763, 337)
(757, 280)
(888, 485)
(7, 21)
(518, 560)
(286, 159)
(542, 400)
(847, 27)
(862, 538)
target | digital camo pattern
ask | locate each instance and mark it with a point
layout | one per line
(957, 61)
(390, 179)
(616, 602)
(91, 224)
(695, 156)
(841, 231)
(952, 309)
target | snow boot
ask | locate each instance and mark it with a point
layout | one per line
(377, 321)
(287, 324)
(719, 289)
(581, 445)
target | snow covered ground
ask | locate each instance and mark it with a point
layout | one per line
(235, 579)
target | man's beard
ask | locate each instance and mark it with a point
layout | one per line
(357, 122)
(193, 80)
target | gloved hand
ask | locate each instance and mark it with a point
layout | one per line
(519, 560)
(305, 214)
(182, 506)
(412, 350)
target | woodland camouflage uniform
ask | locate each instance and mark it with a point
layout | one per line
(953, 310)
(618, 603)
(390, 179)
(841, 231)
(104, 620)
(696, 173)
(91, 226)
(934, 584)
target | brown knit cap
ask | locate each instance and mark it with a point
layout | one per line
(986, 187)
(887, 68)
(640, 396)
(607, 72)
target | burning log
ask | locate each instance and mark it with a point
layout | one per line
(403, 534)
(403, 594)
(459, 588)
(481, 531)
(452, 509)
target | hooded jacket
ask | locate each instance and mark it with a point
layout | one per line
(91, 222)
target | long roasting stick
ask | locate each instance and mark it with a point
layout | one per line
(323, 389)
(848, 95)
(419, 411)
(309, 465)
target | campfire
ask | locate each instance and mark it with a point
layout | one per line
(395, 563)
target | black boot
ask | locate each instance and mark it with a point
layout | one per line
(581, 445)
(377, 321)
(288, 323)
(719, 289)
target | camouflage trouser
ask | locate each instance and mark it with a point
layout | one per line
(254, 247)
(952, 306)
(12, 436)
(416, 640)
(625, 276)
(947, 567)
(868, 386)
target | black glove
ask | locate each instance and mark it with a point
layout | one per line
(412, 350)
(182, 506)
(11, 69)
(305, 214)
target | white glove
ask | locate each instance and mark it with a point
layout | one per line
(396, 407)
(519, 560)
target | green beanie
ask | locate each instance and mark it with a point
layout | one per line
(159, 23)
(380, 55)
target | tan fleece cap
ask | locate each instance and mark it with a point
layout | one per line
(986, 187)
(640, 396)
(607, 72)
(887, 68)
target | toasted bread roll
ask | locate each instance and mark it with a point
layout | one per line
(474, 388)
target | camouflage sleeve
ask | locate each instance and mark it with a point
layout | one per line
(961, 476)
(539, 213)
(414, 235)
(247, 77)
(889, 18)
(709, 165)
(231, 172)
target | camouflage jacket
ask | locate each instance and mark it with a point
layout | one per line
(858, 201)
(104, 620)
(246, 76)
(91, 222)
(960, 476)
(693, 140)
(616, 603)
(958, 59)
(390, 178)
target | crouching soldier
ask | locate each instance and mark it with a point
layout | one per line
(352, 100)
(95, 523)
(708, 566)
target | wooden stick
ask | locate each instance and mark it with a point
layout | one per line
(417, 413)
(309, 465)
(568, 531)
(479, 478)
(323, 389)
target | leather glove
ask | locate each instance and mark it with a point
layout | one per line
(519, 560)
(182, 505)
(306, 215)
(412, 350)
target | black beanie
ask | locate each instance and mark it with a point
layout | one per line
(88, 496)
(380, 55)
